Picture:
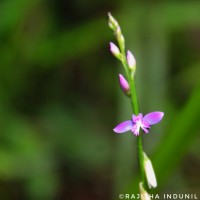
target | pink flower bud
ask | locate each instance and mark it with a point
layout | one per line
(124, 85)
(131, 60)
(115, 50)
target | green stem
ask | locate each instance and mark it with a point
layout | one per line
(139, 137)
(140, 157)
(133, 95)
(134, 102)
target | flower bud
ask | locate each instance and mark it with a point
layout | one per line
(115, 50)
(131, 61)
(112, 22)
(143, 193)
(120, 38)
(149, 171)
(124, 85)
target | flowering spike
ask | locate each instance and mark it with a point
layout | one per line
(149, 171)
(139, 121)
(143, 193)
(131, 61)
(113, 24)
(115, 50)
(124, 85)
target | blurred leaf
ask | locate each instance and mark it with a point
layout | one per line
(25, 156)
(12, 12)
(71, 43)
(77, 138)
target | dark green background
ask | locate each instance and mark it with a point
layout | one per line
(60, 99)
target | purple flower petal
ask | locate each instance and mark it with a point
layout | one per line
(123, 127)
(136, 118)
(153, 117)
(133, 117)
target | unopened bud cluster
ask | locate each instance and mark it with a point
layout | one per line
(112, 22)
(128, 60)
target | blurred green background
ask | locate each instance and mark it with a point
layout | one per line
(60, 99)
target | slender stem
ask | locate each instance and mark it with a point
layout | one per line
(133, 95)
(139, 137)
(134, 102)
(140, 156)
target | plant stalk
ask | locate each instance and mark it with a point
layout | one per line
(135, 107)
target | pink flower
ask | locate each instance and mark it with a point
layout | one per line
(138, 122)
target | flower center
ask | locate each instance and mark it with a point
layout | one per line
(139, 123)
